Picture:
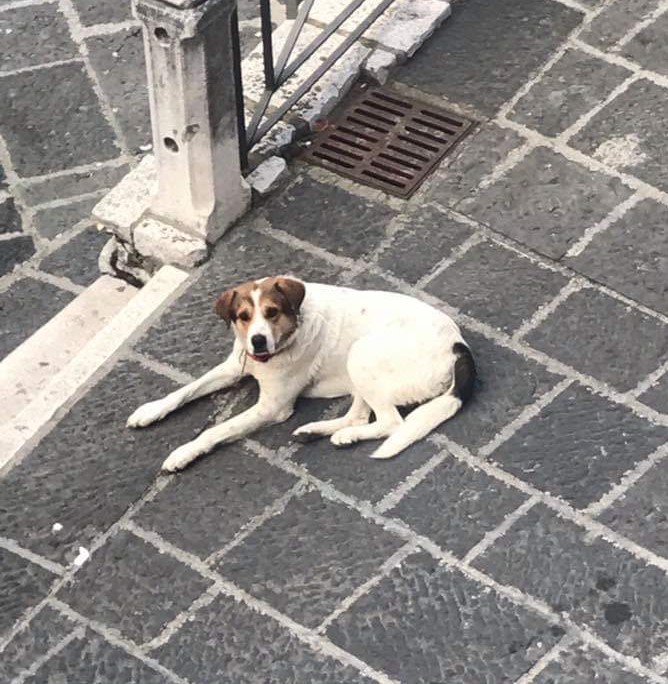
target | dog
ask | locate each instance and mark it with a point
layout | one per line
(383, 349)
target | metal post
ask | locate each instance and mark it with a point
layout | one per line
(191, 75)
(291, 8)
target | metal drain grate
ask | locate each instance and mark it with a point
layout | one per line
(387, 141)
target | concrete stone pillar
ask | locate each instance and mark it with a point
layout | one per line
(191, 72)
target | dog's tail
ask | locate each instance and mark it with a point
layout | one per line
(425, 418)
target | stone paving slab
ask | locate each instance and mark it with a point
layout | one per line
(524, 542)
(427, 623)
(77, 259)
(621, 598)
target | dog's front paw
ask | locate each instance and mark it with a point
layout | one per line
(181, 457)
(344, 437)
(147, 414)
(305, 435)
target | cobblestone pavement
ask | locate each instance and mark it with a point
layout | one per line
(524, 541)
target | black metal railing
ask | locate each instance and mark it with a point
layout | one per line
(278, 71)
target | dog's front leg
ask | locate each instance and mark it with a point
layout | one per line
(260, 415)
(220, 377)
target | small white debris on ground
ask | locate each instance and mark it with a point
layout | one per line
(621, 152)
(268, 174)
(83, 556)
(56, 527)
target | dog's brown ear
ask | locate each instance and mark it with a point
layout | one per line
(225, 306)
(293, 292)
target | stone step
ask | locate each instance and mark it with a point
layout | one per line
(51, 368)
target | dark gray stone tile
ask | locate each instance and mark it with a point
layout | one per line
(45, 630)
(87, 471)
(37, 141)
(25, 307)
(371, 281)
(10, 218)
(489, 54)
(351, 470)
(572, 87)
(204, 508)
(307, 410)
(623, 600)
(631, 256)
(3, 178)
(496, 285)
(456, 505)
(306, 560)
(14, 252)
(642, 513)
(628, 133)
(23, 585)
(92, 659)
(426, 238)
(476, 156)
(189, 335)
(426, 623)
(615, 20)
(34, 35)
(77, 259)
(227, 641)
(56, 220)
(354, 225)
(650, 47)
(599, 335)
(118, 60)
(578, 446)
(59, 187)
(102, 11)
(131, 586)
(657, 395)
(584, 665)
(506, 384)
(546, 202)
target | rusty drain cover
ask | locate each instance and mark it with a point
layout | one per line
(386, 140)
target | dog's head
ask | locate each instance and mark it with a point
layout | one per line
(264, 313)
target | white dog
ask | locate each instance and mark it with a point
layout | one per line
(383, 349)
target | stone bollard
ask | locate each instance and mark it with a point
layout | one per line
(193, 190)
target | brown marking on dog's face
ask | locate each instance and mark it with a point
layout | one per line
(269, 307)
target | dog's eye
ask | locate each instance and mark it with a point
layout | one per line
(244, 316)
(271, 312)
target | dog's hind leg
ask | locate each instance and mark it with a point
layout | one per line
(387, 420)
(358, 414)
(226, 374)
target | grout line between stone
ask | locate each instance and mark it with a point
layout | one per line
(565, 136)
(640, 26)
(58, 281)
(546, 310)
(393, 562)
(37, 67)
(273, 509)
(15, 548)
(64, 201)
(506, 165)
(71, 571)
(76, 633)
(458, 253)
(559, 506)
(19, 4)
(525, 416)
(82, 168)
(304, 634)
(113, 637)
(500, 530)
(207, 597)
(615, 215)
(394, 496)
(548, 658)
(76, 30)
(647, 382)
(106, 29)
(11, 236)
(164, 369)
(619, 489)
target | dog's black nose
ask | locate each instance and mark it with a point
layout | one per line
(259, 343)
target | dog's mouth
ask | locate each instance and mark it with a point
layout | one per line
(262, 358)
